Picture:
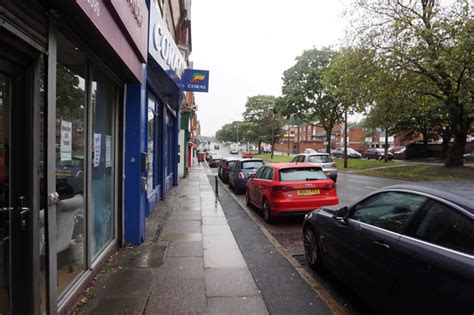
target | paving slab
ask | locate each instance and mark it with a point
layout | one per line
(180, 226)
(181, 296)
(214, 221)
(181, 268)
(223, 258)
(184, 249)
(181, 237)
(229, 282)
(208, 230)
(237, 305)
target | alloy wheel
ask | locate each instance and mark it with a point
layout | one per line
(311, 248)
(267, 216)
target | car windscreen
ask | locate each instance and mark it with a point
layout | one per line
(252, 164)
(319, 159)
(298, 174)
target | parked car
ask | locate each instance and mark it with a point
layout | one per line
(395, 148)
(469, 157)
(398, 152)
(234, 151)
(377, 154)
(309, 150)
(323, 160)
(209, 155)
(241, 171)
(224, 168)
(247, 155)
(215, 160)
(290, 189)
(351, 153)
(404, 247)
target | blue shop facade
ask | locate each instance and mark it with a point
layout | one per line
(152, 123)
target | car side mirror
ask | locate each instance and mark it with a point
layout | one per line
(341, 214)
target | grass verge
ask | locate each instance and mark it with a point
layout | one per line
(422, 172)
(393, 169)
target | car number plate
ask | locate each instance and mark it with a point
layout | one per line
(308, 192)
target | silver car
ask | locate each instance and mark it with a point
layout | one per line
(323, 160)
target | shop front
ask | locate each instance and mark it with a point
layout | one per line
(152, 131)
(63, 78)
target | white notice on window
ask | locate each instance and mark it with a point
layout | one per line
(97, 142)
(66, 140)
(108, 151)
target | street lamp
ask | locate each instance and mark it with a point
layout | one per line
(237, 127)
(273, 142)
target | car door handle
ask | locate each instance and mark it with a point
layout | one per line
(381, 244)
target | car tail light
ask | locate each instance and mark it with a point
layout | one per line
(333, 165)
(241, 175)
(283, 188)
(225, 165)
(330, 186)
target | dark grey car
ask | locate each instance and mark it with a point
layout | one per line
(405, 248)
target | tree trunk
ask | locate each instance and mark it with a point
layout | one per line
(386, 146)
(260, 147)
(459, 124)
(446, 136)
(456, 150)
(425, 143)
(328, 139)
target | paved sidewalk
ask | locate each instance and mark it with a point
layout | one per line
(189, 263)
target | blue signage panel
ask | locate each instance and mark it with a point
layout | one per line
(195, 80)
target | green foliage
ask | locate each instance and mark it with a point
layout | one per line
(305, 94)
(428, 46)
(262, 122)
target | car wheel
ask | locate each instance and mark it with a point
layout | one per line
(380, 158)
(311, 248)
(267, 215)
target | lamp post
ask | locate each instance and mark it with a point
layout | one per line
(273, 118)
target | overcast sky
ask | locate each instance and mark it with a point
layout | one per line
(247, 44)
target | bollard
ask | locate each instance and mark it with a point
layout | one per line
(217, 191)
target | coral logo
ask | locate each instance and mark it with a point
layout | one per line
(197, 77)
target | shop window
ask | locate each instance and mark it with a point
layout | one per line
(151, 144)
(70, 154)
(102, 163)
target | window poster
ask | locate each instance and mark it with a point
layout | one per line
(97, 144)
(66, 140)
(108, 151)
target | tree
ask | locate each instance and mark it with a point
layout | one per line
(432, 41)
(262, 121)
(348, 79)
(231, 132)
(305, 96)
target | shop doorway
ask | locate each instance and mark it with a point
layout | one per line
(16, 191)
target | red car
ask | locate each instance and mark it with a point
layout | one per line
(290, 189)
(247, 155)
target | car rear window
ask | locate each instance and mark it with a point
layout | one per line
(319, 159)
(252, 164)
(297, 174)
